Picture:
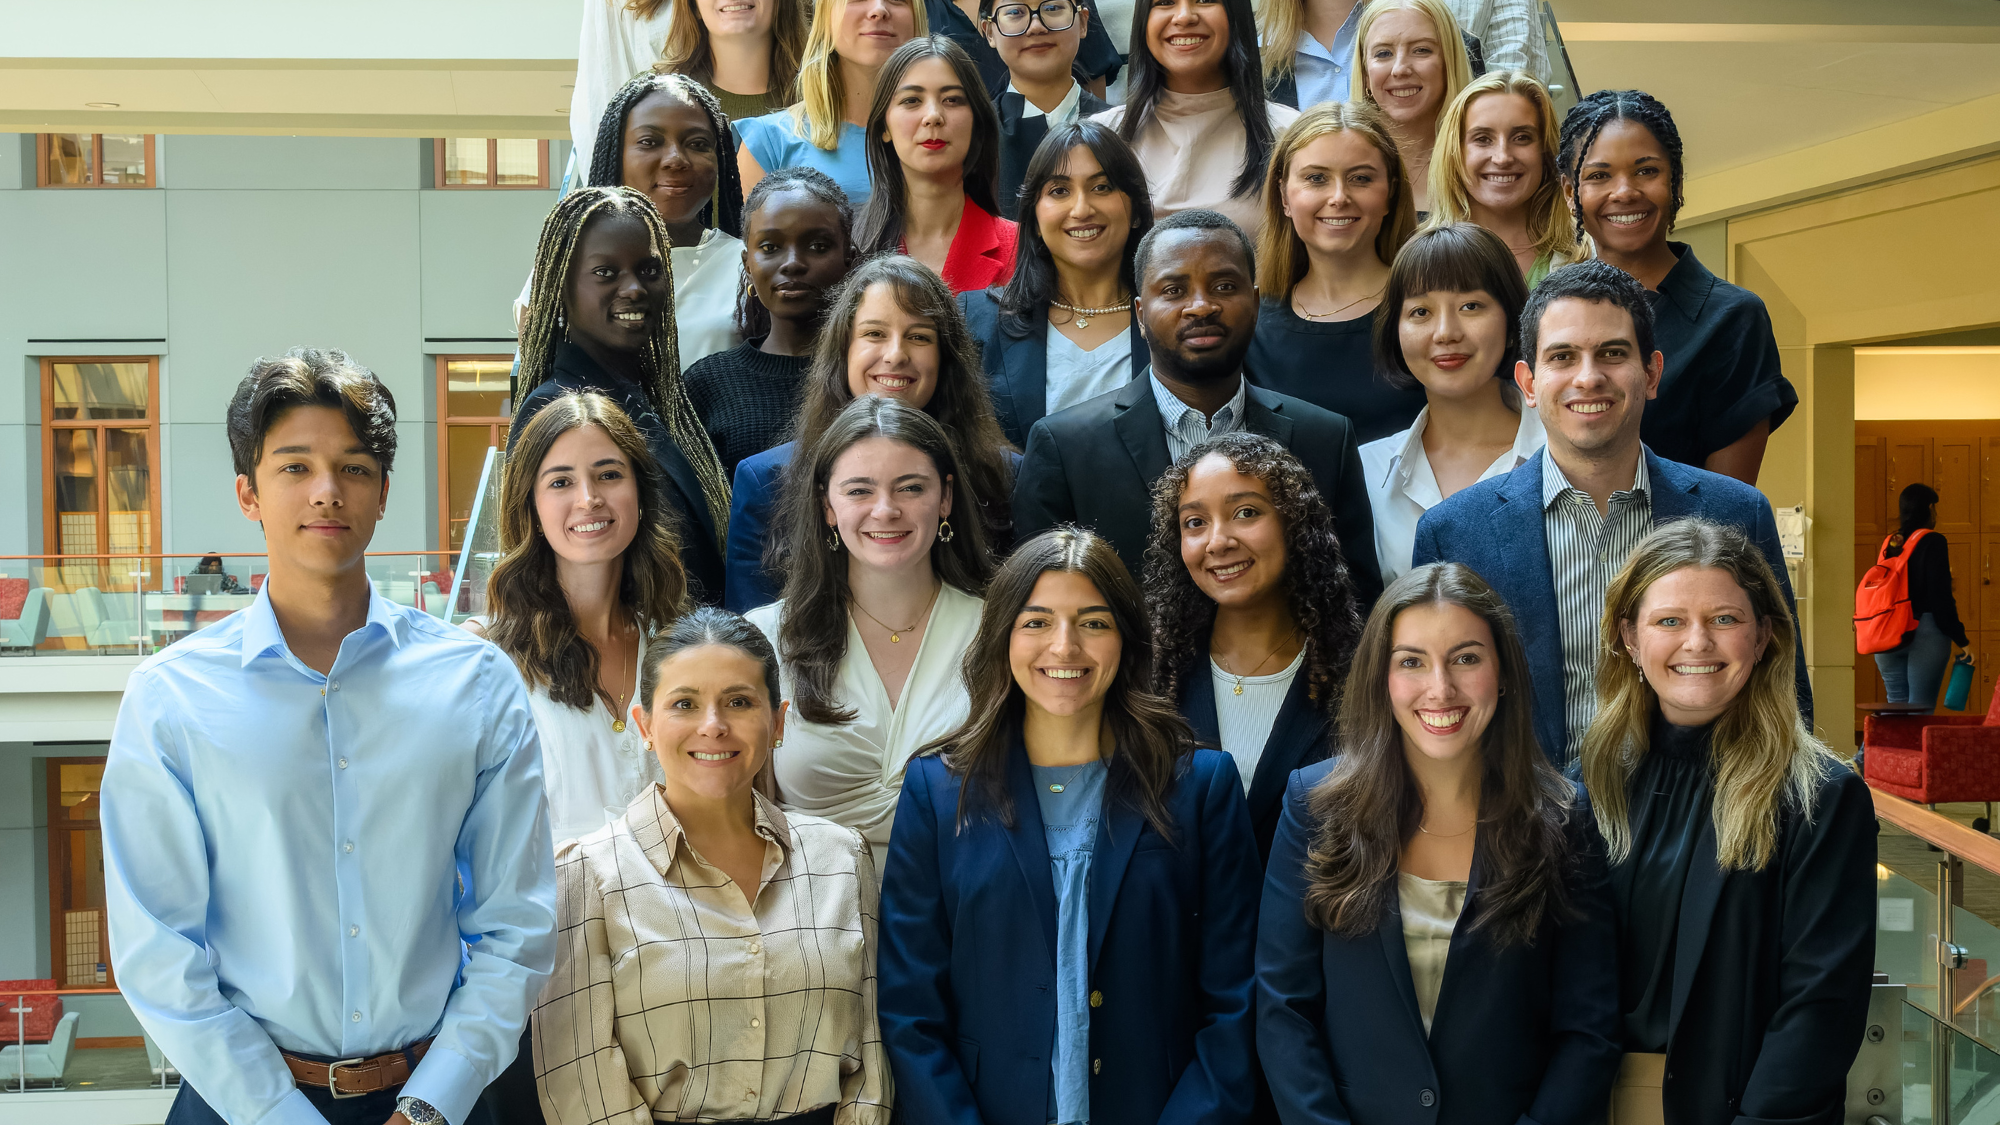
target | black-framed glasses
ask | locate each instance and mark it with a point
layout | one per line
(1013, 19)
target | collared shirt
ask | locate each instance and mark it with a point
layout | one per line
(679, 996)
(1585, 549)
(1186, 427)
(1402, 485)
(337, 865)
(1324, 71)
(1065, 111)
(1722, 372)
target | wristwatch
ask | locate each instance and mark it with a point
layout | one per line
(419, 1112)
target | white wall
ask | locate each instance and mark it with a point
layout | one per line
(1922, 383)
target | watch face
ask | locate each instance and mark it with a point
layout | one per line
(417, 1111)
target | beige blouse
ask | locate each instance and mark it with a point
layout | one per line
(1430, 914)
(1192, 151)
(673, 998)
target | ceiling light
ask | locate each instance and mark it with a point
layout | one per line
(100, 105)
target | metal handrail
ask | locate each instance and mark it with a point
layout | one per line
(21, 1010)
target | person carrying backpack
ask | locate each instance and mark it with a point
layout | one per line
(1908, 591)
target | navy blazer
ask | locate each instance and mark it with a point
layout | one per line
(1298, 738)
(1495, 527)
(967, 971)
(1523, 1034)
(1021, 134)
(1017, 367)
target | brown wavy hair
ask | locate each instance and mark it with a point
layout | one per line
(1319, 590)
(812, 629)
(1154, 744)
(687, 49)
(1369, 807)
(531, 619)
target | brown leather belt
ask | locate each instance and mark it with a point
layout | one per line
(351, 1078)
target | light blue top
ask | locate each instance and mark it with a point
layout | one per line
(1069, 823)
(331, 865)
(1323, 74)
(775, 141)
(1186, 427)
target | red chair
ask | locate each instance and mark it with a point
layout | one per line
(1935, 758)
(40, 1021)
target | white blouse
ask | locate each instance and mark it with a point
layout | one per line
(1244, 721)
(1192, 151)
(591, 772)
(1402, 486)
(705, 279)
(614, 46)
(852, 773)
(1075, 375)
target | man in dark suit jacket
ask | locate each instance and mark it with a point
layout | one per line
(1551, 543)
(1095, 463)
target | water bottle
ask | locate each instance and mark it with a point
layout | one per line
(1961, 683)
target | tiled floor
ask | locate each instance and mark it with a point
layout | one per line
(103, 1068)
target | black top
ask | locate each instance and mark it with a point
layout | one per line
(1096, 56)
(1722, 373)
(693, 522)
(1930, 586)
(746, 398)
(1332, 366)
(1671, 795)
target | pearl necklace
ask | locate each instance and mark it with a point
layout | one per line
(1083, 315)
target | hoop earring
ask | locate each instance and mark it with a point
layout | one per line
(833, 540)
(945, 533)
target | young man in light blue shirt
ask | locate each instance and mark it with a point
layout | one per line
(331, 887)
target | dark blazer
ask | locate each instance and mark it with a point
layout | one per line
(1525, 1033)
(1017, 367)
(694, 523)
(1495, 527)
(1019, 137)
(1298, 738)
(968, 968)
(1095, 464)
(1772, 970)
(1096, 56)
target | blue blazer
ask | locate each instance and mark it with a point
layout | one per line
(1017, 367)
(1495, 527)
(1298, 738)
(1524, 1034)
(968, 970)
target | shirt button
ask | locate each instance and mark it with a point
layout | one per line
(343, 763)
(1427, 1099)
(756, 1023)
(1096, 1066)
(357, 1017)
(353, 931)
(348, 846)
(1096, 999)
(336, 685)
(755, 948)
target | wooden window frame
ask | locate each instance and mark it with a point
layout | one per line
(445, 421)
(492, 170)
(51, 530)
(97, 164)
(58, 868)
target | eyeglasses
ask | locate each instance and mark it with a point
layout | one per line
(1013, 19)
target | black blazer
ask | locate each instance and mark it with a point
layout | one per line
(1017, 367)
(1095, 464)
(1526, 1033)
(694, 523)
(1298, 738)
(1020, 135)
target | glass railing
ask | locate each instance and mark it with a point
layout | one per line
(1563, 90)
(481, 544)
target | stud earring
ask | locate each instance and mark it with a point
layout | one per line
(945, 533)
(779, 743)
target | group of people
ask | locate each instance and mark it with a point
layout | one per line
(1275, 631)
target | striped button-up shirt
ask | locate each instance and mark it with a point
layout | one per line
(1186, 427)
(675, 998)
(1586, 548)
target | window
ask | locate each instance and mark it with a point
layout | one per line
(100, 464)
(474, 409)
(107, 160)
(487, 162)
(80, 947)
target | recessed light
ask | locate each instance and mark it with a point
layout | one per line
(100, 105)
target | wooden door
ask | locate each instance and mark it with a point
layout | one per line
(1989, 496)
(1986, 613)
(1872, 510)
(1909, 463)
(1955, 475)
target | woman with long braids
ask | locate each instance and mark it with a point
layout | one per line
(893, 331)
(1195, 109)
(1495, 165)
(845, 49)
(1061, 330)
(878, 611)
(1254, 612)
(1742, 851)
(744, 52)
(1723, 392)
(1435, 941)
(1069, 902)
(933, 155)
(601, 317)
(1410, 61)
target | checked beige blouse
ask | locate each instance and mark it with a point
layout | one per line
(672, 1000)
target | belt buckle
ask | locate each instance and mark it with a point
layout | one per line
(333, 1080)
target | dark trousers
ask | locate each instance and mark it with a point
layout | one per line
(368, 1109)
(511, 1099)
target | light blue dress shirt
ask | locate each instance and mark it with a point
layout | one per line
(1325, 74)
(1069, 825)
(335, 865)
(1186, 428)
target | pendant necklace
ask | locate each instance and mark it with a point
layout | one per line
(1267, 659)
(1059, 786)
(618, 714)
(895, 634)
(1341, 309)
(1083, 315)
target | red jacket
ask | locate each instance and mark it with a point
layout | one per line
(982, 252)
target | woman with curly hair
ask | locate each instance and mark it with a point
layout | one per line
(1245, 570)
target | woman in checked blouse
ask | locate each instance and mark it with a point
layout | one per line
(717, 955)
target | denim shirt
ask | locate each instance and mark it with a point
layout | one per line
(1069, 823)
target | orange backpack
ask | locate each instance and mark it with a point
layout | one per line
(1882, 602)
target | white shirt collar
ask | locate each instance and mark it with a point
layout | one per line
(1065, 112)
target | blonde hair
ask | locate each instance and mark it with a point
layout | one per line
(1281, 253)
(1761, 754)
(1549, 219)
(1457, 67)
(822, 96)
(1281, 24)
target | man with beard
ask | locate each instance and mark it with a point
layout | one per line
(1094, 464)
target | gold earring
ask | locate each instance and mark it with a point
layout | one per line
(833, 540)
(945, 533)
(778, 743)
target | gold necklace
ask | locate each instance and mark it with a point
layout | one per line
(1083, 315)
(1447, 835)
(895, 634)
(1343, 308)
(618, 713)
(1286, 639)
